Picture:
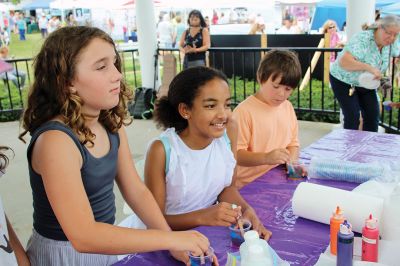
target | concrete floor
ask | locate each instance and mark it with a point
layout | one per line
(15, 189)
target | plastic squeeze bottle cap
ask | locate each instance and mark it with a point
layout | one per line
(251, 235)
(345, 228)
(371, 223)
(338, 214)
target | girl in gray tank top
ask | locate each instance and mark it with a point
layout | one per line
(75, 114)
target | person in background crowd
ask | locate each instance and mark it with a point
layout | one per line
(5, 37)
(195, 41)
(17, 77)
(21, 25)
(214, 18)
(258, 26)
(287, 26)
(366, 52)
(165, 32)
(43, 25)
(334, 41)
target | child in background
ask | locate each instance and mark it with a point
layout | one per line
(334, 41)
(11, 253)
(268, 129)
(76, 113)
(190, 168)
(17, 77)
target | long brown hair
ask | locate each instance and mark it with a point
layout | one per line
(54, 70)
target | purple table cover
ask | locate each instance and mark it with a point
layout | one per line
(296, 240)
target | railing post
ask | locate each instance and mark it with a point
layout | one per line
(327, 57)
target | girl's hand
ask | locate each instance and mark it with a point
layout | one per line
(188, 241)
(215, 261)
(251, 215)
(184, 257)
(220, 214)
(180, 256)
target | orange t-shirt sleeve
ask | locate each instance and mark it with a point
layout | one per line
(295, 129)
(244, 128)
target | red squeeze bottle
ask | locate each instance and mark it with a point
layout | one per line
(336, 219)
(370, 238)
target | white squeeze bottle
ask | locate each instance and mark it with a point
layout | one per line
(390, 217)
(254, 251)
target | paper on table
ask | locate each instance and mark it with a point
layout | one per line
(316, 202)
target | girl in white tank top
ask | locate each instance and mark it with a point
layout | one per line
(190, 168)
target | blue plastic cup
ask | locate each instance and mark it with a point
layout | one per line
(236, 237)
(386, 105)
(205, 260)
(295, 171)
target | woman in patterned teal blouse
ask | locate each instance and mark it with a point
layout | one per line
(367, 51)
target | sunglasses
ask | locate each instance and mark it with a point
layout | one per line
(332, 27)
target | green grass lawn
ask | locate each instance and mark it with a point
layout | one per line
(25, 49)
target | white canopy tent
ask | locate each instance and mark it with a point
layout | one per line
(88, 4)
(6, 6)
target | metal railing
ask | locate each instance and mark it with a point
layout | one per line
(314, 102)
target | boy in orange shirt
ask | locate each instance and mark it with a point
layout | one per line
(268, 129)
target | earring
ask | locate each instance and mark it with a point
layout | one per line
(185, 116)
(73, 91)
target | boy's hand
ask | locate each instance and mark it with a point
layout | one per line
(220, 214)
(278, 156)
(304, 171)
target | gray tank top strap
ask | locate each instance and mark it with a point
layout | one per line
(55, 125)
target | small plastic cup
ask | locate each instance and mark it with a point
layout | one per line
(236, 237)
(205, 260)
(294, 170)
(386, 105)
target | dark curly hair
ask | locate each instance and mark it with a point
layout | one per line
(183, 89)
(54, 70)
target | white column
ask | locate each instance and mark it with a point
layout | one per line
(147, 39)
(358, 12)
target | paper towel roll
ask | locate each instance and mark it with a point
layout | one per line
(316, 202)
